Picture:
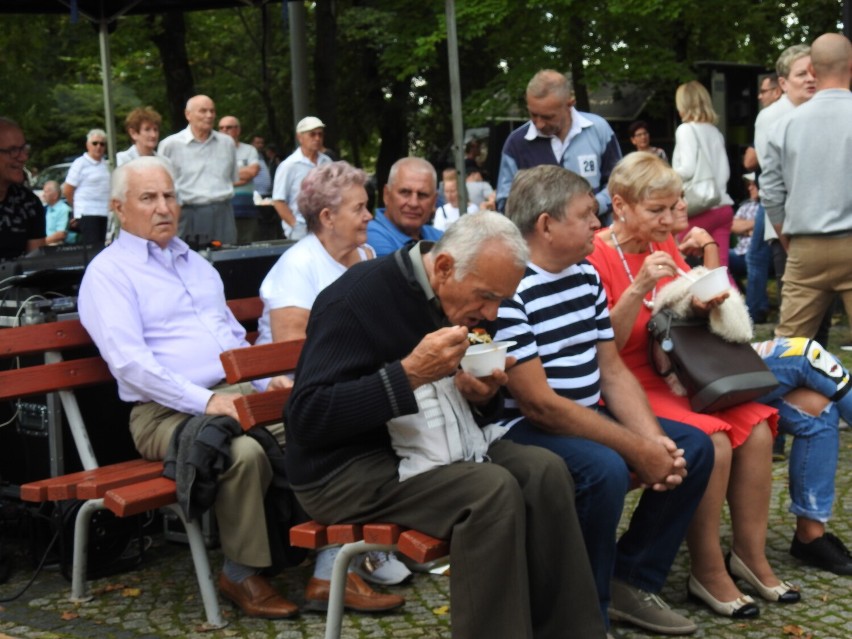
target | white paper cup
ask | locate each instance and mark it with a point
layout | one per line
(711, 284)
(481, 359)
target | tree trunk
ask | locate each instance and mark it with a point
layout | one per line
(393, 132)
(168, 33)
(325, 70)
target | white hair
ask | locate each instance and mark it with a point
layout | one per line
(95, 132)
(464, 240)
(121, 176)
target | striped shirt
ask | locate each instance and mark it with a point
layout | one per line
(560, 318)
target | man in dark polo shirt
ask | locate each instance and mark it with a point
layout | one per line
(21, 213)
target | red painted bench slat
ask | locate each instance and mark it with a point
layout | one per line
(256, 362)
(38, 338)
(421, 547)
(45, 378)
(64, 486)
(96, 487)
(141, 497)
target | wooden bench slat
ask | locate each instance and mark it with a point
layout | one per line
(309, 535)
(38, 338)
(266, 360)
(45, 378)
(261, 409)
(382, 533)
(141, 497)
(246, 308)
(421, 547)
(96, 487)
(344, 533)
(37, 491)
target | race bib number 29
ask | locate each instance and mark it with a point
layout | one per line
(588, 165)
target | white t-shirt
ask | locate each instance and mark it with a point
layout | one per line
(446, 214)
(90, 179)
(297, 278)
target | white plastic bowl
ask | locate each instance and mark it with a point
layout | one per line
(711, 284)
(481, 359)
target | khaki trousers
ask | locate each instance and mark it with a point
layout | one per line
(818, 269)
(239, 501)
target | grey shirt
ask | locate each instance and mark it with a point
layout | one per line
(205, 172)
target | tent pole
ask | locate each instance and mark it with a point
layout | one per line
(106, 70)
(455, 102)
(298, 59)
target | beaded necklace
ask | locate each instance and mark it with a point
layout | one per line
(649, 304)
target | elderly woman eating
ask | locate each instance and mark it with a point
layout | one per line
(636, 257)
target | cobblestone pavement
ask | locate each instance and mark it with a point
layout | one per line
(160, 599)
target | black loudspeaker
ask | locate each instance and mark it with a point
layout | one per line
(242, 269)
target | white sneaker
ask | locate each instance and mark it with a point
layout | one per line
(382, 568)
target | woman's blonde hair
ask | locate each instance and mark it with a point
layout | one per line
(640, 175)
(693, 103)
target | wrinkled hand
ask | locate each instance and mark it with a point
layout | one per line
(661, 465)
(480, 390)
(279, 382)
(693, 240)
(437, 355)
(222, 404)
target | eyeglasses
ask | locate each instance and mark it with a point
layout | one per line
(97, 143)
(17, 151)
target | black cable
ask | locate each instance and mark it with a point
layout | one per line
(38, 569)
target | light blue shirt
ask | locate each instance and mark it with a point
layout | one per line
(385, 238)
(160, 320)
(56, 217)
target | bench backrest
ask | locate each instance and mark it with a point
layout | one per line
(59, 372)
(256, 362)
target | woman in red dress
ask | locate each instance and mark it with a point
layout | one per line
(635, 258)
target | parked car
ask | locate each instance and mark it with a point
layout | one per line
(55, 172)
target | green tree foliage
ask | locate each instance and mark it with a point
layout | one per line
(388, 92)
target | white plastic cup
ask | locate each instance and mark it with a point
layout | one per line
(711, 284)
(481, 359)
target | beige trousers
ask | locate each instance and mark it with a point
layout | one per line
(818, 269)
(239, 501)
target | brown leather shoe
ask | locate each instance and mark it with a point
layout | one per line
(257, 598)
(359, 596)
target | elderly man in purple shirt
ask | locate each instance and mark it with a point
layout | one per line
(157, 312)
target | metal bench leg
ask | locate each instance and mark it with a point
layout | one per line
(337, 587)
(80, 559)
(202, 570)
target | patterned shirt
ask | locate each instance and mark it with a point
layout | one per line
(560, 318)
(21, 219)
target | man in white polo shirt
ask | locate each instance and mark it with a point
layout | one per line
(205, 166)
(310, 132)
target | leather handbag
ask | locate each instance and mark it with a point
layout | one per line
(701, 191)
(714, 373)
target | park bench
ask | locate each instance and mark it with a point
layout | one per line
(261, 409)
(126, 488)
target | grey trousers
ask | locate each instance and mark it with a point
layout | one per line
(200, 224)
(519, 565)
(239, 500)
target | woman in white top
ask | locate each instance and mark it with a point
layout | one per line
(333, 200)
(698, 132)
(86, 189)
(143, 127)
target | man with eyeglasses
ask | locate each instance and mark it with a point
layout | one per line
(205, 170)
(22, 220)
(310, 132)
(248, 165)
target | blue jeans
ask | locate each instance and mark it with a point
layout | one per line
(758, 261)
(799, 362)
(644, 554)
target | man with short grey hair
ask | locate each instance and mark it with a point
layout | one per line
(518, 569)
(310, 133)
(205, 169)
(559, 134)
(409, 196)
(248, 165)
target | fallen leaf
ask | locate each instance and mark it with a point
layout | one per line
(112, 587)
(68, 615)
(793, 630)
(441, 610)
(131, 592)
